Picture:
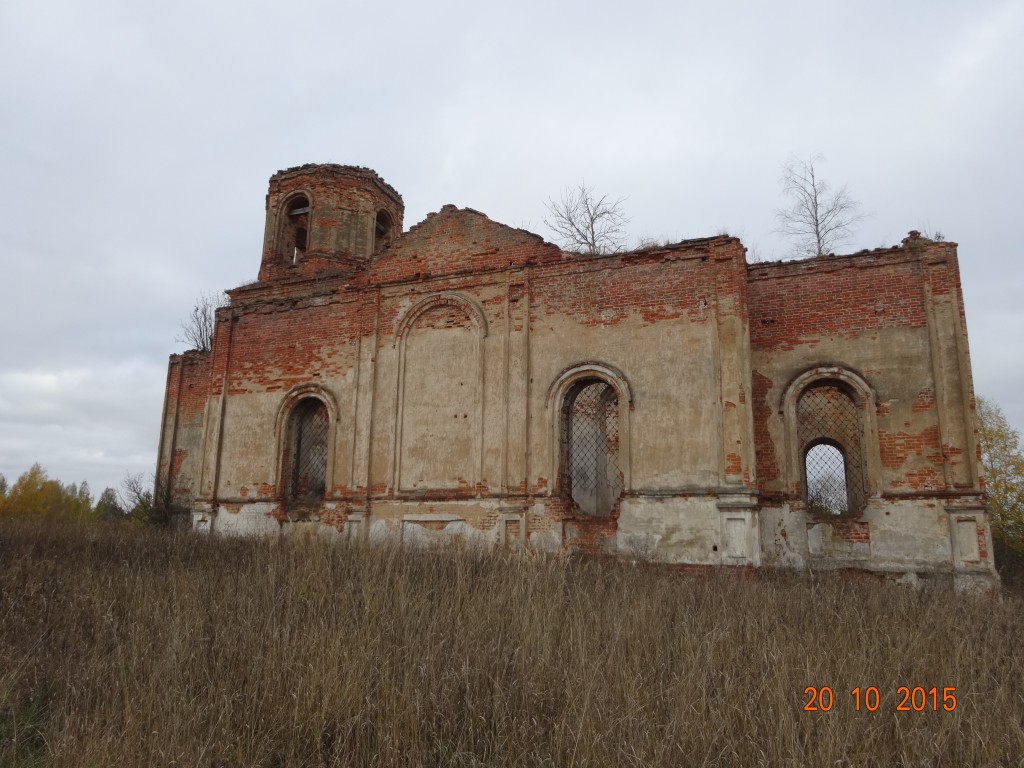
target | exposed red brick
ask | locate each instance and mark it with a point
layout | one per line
(347, 305)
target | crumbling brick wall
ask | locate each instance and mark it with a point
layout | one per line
(181, 435)
(873, 313)
(445, 357)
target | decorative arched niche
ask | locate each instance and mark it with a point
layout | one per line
(439, 425)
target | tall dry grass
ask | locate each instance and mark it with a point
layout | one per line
(136, 648)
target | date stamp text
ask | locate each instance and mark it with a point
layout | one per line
(908, 699)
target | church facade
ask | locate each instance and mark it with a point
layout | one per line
(467, 380)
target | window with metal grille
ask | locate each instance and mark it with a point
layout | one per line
(307, 459)
(590, 447)
(825, 469)
(830, 431)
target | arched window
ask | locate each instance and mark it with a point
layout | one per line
(306, 458)
(382, 229)
(830, 434)
(591, 476)
(295, 229)
(825, 479)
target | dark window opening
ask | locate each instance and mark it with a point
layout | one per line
(306, 465)
(382, 231)
(295, 230)
(590, 447)
(830, 432)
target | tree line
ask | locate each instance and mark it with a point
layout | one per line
(36, 495)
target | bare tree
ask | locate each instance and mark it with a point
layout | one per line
(136, 498)
(584, 222)
(197, 329)
(817, 220)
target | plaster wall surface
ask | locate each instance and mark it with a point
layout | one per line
(448, 361)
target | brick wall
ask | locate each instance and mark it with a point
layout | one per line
(179, 462)
(440, 353)
(869, 313)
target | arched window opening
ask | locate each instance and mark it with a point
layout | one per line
(830, 432)
(826, 481)
(306, 462)
(591, 476)
(382, 231)
(295, 230)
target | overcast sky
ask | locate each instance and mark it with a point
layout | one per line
(136, 140)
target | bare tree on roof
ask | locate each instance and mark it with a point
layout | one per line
(584, 222)
(816, 219)
(197, 329)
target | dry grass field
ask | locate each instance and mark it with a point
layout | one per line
(128, 647)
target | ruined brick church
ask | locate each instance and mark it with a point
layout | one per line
(463, 379)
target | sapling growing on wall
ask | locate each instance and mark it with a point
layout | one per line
(197, 329)
(817, 219)
(585, 222)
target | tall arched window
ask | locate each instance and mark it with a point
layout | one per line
(306, 459)
(591, 476)
(830, 434)
(295, 229)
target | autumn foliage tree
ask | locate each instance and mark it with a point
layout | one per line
(36, 495)
(1002, 461)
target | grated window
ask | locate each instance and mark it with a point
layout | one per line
(308, 465)
(592, 479)
(825, 468)
(830, 434)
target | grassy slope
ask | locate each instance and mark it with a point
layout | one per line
(127, 647)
